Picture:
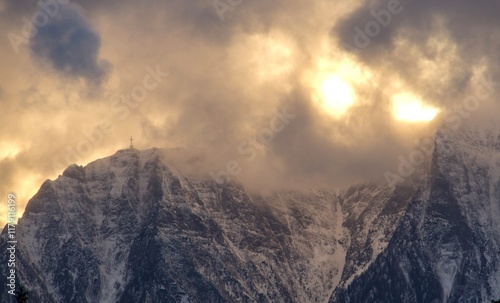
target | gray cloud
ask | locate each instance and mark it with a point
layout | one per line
(225, 83)
(470, 27)
(70, 45)
(465, 19)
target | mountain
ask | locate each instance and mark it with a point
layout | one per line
(446, 247)
(133, 228)
(148, 226)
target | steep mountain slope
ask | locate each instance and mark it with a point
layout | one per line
(133, 228)
(371, 214)
(446, 248)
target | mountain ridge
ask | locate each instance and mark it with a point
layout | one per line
(150, 226)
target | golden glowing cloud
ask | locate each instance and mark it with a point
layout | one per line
(336, 95)
(334, 81)
(409, 108)
(28, 187)
(266, 56)
(8, 150)
(229, 77)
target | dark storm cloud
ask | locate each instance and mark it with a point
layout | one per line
(26, 7)
(199, 17)
(375, 30)
(70, 45)
(468, 21)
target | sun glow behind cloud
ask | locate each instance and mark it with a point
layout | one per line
(334, 82)
(409, 108)
(336, 95)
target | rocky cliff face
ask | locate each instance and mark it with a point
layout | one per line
(134, 227)
(446, 247)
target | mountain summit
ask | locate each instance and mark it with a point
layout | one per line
(446, 247)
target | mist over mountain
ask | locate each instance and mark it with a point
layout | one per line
(152, 226)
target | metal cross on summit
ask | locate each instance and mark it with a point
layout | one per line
(131, 139)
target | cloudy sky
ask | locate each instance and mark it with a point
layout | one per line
(279, 93)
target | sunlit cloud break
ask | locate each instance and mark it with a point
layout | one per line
(407, 107)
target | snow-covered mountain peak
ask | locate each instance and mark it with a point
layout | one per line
(152, 226)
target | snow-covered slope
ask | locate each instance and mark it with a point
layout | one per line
(148, 226)
(133, 227)
(446, 248)
(371, 214)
